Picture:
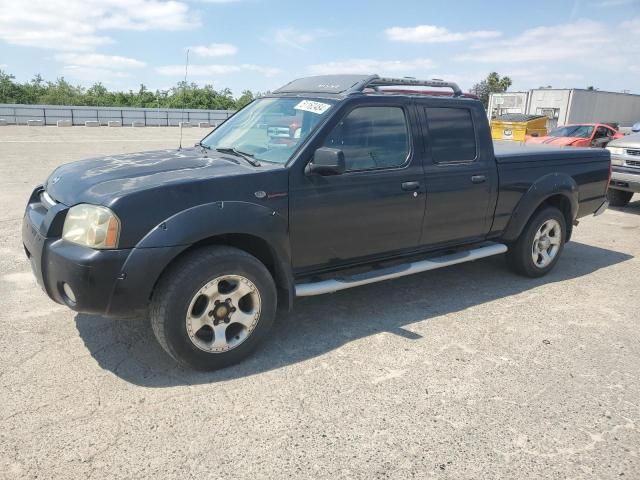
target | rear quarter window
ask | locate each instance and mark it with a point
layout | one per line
(452, 135)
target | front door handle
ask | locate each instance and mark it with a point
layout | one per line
(410, 186)
(478, 178)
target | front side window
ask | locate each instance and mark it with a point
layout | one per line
(270, 129)
(451, 134)
(603, 132)
(371, 138)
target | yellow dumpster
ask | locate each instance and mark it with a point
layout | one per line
(516, 126)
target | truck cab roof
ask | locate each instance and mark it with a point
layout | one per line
(342, 86)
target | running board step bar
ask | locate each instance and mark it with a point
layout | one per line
(335, 284)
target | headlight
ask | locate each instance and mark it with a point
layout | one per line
(91, 226)
(616, 150)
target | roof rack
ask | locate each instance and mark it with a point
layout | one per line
(351, 84)
(375, 82)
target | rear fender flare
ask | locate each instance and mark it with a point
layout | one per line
(543, 189)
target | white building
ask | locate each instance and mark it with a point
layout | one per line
(566, 106)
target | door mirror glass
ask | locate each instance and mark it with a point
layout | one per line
(327, 161)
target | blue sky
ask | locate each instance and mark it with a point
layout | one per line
(261, 44)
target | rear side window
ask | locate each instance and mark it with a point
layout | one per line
(371, 138)
(451, 134)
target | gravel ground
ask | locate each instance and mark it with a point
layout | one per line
(466, 372)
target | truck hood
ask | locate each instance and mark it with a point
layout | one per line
(102, 180)
(630, 141)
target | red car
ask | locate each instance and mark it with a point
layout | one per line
(579, 135)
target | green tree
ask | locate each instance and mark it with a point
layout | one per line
(245, 99)
(61, 92)
(494, 83)
(8, 88)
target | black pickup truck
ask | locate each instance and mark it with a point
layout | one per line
(328, 183)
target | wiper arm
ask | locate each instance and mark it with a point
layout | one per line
(246, 156)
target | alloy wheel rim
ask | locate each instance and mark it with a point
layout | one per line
(223, 313)
(546, 243)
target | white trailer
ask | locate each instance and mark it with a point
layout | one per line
(566, 106)
(511, 102)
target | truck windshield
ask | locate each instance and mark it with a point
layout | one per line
(270, 129)
(580, 131)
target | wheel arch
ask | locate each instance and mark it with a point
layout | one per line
(557, 190)
(253, 245)
(253, 228)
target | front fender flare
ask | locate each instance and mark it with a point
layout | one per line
(197, 223)
(184, 229)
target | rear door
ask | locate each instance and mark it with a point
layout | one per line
(376, 206)
(460, 173)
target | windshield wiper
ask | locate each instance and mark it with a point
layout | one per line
(246, 156)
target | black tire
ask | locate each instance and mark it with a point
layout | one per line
(619, 198)
(180, 284)
(520, 254)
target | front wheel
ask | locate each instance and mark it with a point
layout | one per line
(213, 307)
(618, 198)
(540, 244)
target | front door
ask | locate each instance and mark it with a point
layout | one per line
(376, 206)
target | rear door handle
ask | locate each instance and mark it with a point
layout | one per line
(410, 186)
(478, 178)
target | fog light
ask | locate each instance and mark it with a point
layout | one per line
(69, 292)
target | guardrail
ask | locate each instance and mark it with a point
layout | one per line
(13, 114)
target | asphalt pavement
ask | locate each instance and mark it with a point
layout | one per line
(465, 372)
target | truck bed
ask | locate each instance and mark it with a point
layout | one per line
(519, 166)
(510, 152)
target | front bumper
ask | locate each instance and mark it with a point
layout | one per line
(625, 178)
(105, 282)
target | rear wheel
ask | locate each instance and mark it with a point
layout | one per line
(618, 198)
(540, 244)
(213, 307)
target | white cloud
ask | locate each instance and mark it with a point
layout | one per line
(613, 3)
(585, 42)
(435, 34)
(214, 50)
(79, 25)
(370, 66)
(296, 38)
(98, 60)
(215, 70)
(535, 76)
(93, 74)
(96, 67)
(573, 54)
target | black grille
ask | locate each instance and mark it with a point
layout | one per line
(635, 153)
(633, 163)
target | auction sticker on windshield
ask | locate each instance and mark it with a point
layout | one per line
(313, 107)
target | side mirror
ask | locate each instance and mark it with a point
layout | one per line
(326, 161)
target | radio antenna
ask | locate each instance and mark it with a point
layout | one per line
(184, 95)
